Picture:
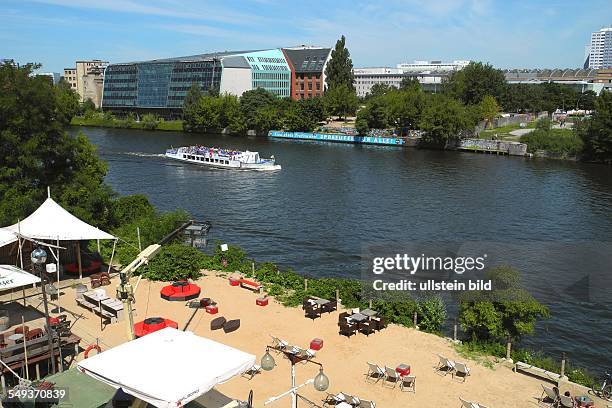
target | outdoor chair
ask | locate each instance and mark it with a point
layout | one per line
(445, 365)
(278, 343)
(347, 329)
(329, 307)
(375, 372)
(355, 310)
(408, 382)
(549, 396)
(367, 327)
(342, 317)
(231, 325)
(461, 368)
(311, 312)
(217, 323)
(566, 402)
(391, 377)
(380, 323)
(467, 404)
(251, 372)
(367, 404)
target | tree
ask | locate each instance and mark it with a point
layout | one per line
(87, 107)
(431, 312)
(149, 121)
(36, 152)
(596, 132)
(339, 69)
(214, 90)
(506, 312)
(410, 83)
(230, 115)
(314, 108)
(443, 119)
(340, 100)
(586, 100)
(489, 109)
(379, 89)
(404, 108)
(266, 118)
(296, 119)
(251, 102)
(471, 84)
(190, 104)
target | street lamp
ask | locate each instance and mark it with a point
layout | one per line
(321, 381)
(39, 257)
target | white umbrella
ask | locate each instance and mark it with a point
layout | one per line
(13, 277)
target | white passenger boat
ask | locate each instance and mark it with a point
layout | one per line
(222, 158)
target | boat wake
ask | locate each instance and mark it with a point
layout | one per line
(140, 154)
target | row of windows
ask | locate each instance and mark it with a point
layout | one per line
(275, 68)
(270, 84)
(272, 60)
(263, 75)
(310, 86)
(205, 159)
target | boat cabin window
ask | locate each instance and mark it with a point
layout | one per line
(184, 156)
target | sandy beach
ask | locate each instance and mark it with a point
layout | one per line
(344, 359)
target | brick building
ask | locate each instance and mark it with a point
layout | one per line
(307, 66)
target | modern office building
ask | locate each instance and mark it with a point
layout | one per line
(366, 78)
(600, 49)
(307, 64)
(54, 77)
(430, 75)
(160, 86)
(87, 78)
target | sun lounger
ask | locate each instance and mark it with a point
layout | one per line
(279, 343)
(303, 354)
(375, 372)
(391, 377)
(332, 400)
(445, 365)
(408, 382)
(251, 372)
(467, 404)
(549, 396)
(461, 368)
(367, 404)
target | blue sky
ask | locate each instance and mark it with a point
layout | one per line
(507, 34)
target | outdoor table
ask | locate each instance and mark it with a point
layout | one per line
(584, 401)
(403, 369)
(369, 312)
(16, 337)
(321, 302)
(358, 317)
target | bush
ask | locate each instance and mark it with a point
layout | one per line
(129, 208)
(561, 142)
(175, 262)
(431, 314)
(149, 121)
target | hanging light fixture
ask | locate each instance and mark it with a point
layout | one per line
(321, 381)
(267, 361)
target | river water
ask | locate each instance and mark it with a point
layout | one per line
(552, 220)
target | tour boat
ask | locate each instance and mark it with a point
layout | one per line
(222, 158)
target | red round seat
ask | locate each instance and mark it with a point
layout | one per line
(153, 324)
(180, 291)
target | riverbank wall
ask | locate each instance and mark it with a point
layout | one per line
(504, 147)
(338, 138)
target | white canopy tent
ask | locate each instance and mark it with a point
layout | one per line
(7, 237)
(167, 368)
(12, 277)
(51, 222)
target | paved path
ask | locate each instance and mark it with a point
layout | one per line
(521, 132)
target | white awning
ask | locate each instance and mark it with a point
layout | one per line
(51, 221)
(167, 368)
(13, 277)
(6, 237)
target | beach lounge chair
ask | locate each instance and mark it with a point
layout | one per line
(461, 368)
(331, 400)
(352, 400)
(467, 404)
(251, 372)
(566, 402)
(279, 343)
(391, 377)
(445, 365)
(375, 373)
(367, 404)
(304, 354)
(408, 382)
(347, 329)
(549, 396)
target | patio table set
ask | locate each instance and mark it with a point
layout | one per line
(314, 307)
(365, 321)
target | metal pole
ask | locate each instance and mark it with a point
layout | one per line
(294, 391)
(139, 244)
(78, 245)
(47, 325)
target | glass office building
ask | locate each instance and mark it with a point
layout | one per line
(160, 86)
